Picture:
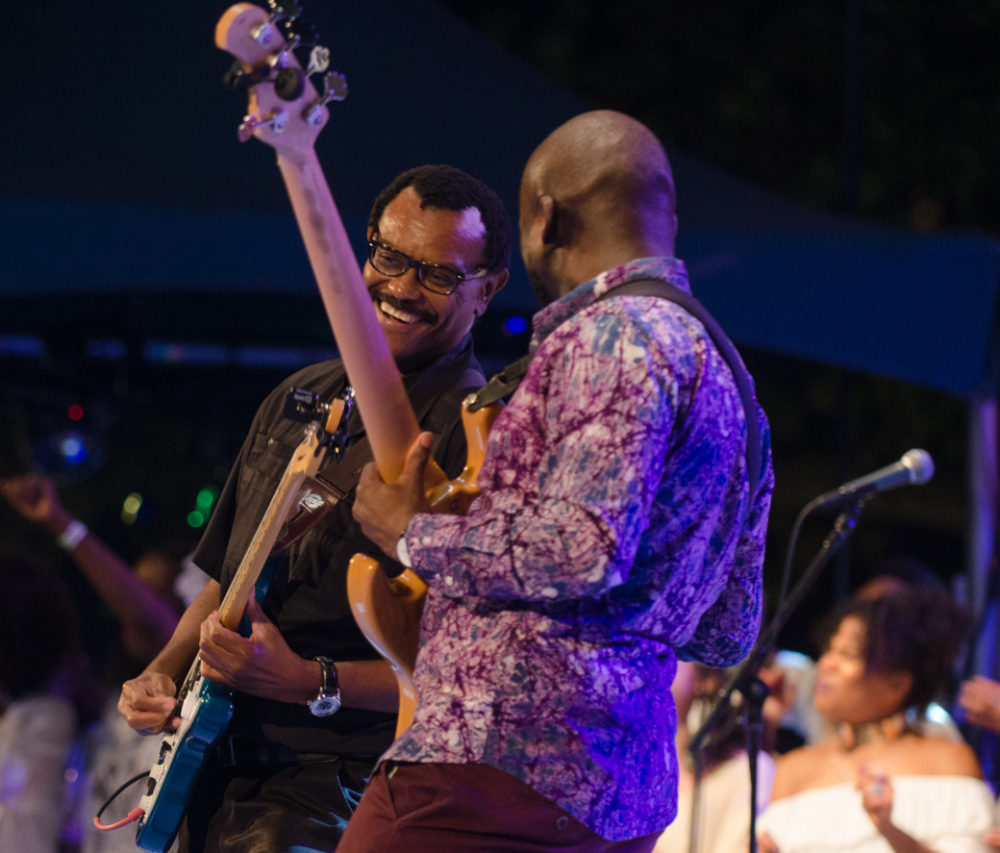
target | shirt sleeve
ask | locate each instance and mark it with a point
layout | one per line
(603, 409)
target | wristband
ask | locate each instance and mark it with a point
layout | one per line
(72, 535)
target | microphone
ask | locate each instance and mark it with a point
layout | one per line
(914, 469)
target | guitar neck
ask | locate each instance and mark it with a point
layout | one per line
(304, 463)
(250, 34)
(381, 398)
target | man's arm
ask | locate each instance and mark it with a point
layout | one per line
(149, 619)
(148, 701)
(576, 535)
(264, 665)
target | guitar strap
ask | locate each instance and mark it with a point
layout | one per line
(504, 383)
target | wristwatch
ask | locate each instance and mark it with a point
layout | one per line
(327, 702)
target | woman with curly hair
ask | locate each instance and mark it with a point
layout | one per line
(879, 784)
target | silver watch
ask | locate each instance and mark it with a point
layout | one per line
(327, 702)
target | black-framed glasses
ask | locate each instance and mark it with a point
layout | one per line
(435, 277)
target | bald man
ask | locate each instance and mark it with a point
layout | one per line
(617, 531)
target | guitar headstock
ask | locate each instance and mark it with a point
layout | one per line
(284, 110)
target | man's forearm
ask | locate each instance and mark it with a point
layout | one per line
(176, 657)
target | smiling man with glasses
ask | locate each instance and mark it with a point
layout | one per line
(435, 261)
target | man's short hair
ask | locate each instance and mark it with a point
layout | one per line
(452, 189)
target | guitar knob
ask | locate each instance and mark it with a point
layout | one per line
(235, 77)
(289, 83)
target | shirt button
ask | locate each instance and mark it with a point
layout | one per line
(562, 823)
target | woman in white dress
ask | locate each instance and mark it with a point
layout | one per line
(878, 785)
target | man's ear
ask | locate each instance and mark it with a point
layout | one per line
(548, 214)
(492, 285)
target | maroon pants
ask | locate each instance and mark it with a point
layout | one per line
(466, 808)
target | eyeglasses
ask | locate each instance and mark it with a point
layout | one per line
(436, 278)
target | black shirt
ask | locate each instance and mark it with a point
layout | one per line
(307, 597)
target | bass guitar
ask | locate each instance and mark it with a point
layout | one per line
(205, 707)
(286, 112)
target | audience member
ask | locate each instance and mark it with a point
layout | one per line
(979, 699)
(142, 597)
(790, 714)
(145, 601)
(37, 719)
(881, 782)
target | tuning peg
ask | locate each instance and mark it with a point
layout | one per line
(334, 89)
(283, 13)
(319, 60)
(252, 123)
(263, 34)
(289, 9)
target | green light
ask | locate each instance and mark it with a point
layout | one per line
(206, 497)
(195, 519)
(130, 508)
(132, 503)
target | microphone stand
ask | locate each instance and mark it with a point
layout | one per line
(746, 680)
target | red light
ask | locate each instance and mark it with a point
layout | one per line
(75, 412)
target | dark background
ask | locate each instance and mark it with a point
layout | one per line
(885, 111)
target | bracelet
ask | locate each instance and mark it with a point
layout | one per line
(73, 535)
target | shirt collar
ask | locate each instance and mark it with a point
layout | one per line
(583, 295)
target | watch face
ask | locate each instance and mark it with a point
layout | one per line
(325, 706)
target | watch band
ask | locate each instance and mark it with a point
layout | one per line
(402, 551)
(327, 701)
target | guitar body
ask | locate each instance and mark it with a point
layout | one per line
(388, 610)
(206, 709)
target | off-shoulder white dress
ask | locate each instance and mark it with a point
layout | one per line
(949, 814)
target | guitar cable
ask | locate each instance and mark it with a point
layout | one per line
(131, 817)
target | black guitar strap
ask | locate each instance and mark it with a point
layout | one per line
(504, 383)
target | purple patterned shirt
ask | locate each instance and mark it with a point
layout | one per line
(614, 533)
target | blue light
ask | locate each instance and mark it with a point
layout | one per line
(515, 325)
(72, 448)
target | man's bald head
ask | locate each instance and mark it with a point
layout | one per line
(609, 182)
(605, 157)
